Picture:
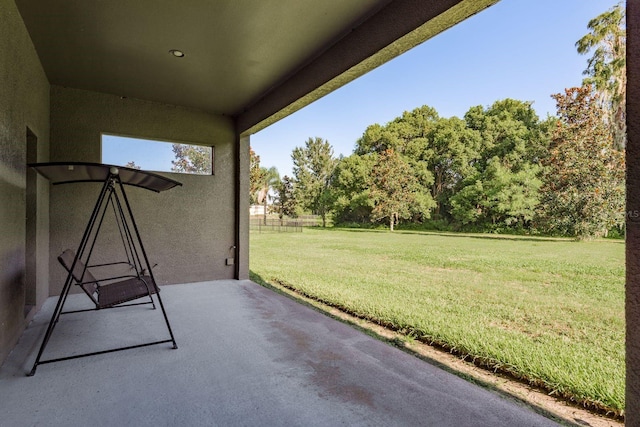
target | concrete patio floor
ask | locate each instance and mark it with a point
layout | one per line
(247, 356)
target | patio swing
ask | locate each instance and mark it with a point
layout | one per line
(134, 280)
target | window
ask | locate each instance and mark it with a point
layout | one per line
(155, 155)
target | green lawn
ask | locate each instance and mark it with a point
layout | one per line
(548, 310)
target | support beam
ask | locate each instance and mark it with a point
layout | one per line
(396, 28)
(242, 208)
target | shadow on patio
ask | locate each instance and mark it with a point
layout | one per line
(246, 356)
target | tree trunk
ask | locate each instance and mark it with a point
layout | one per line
(392, 218)
(437, 189)
(265, 209)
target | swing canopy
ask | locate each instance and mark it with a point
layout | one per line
(68, 172)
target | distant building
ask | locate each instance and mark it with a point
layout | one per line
(256, 210)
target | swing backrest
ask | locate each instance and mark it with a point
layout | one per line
(80, 273)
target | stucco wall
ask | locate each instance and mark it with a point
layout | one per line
(242, 253)
(24, 103)
(188, 231)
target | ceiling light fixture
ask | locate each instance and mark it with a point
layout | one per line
(177, 53)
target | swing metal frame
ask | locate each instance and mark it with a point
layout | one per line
(112, 291)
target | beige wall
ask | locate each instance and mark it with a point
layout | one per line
(188, 231)
(24, 103)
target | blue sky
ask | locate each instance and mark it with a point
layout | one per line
(149, 155)
(520, 49)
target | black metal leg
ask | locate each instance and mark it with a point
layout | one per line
(52, 323)
(146, 260)
(67, 284)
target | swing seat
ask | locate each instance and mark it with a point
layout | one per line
(111, 291)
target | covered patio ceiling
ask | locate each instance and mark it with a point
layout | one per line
(254, 60)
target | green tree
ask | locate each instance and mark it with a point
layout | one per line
(284, 200)
(256, 176)
(407, 134)
(270, 180)
(503, 190)
(498, 197)
(132, 165)
(583, 191)
(395, 190)
(510, 130)
(351, 188)
(606, 69)
(192, 159)
(313, 167)
(488, 164)
(452, 151)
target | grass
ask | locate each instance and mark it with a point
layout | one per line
(548, 311)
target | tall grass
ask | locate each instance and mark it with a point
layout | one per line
(549, 311)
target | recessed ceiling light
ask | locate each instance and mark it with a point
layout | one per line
(177, 53)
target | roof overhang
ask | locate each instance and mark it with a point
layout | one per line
(254, 60)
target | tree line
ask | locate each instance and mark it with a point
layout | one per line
(497, 169)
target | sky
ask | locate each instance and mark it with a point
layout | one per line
(520, 49)
(149, 155)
